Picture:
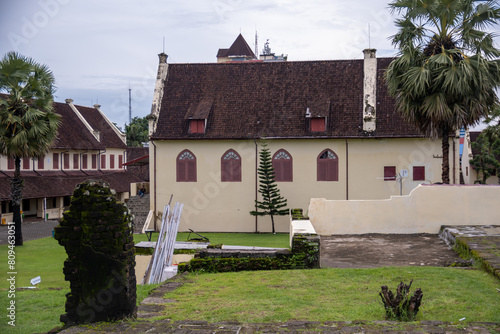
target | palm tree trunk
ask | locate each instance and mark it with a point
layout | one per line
(445, 144)
(17, 196)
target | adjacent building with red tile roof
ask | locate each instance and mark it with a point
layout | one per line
(88, 146)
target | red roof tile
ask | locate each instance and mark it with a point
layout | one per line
(259, 99)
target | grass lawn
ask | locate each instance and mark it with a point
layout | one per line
(326, 294)
(333, 294)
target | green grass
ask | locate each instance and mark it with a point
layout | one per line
(327, 294)
(332, 294)
(39, 310)
(279, 240)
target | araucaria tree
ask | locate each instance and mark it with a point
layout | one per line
(28, 126)
(447, 69)
(272, 203)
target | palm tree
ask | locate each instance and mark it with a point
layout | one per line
(447, 69)
(28, 126)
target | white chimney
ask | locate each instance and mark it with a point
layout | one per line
(369, 90)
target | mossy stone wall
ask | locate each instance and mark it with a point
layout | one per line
(97, 235)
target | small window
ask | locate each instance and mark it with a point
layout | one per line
(418, 173)
(318, 124)
(390, 173)
(327, 166)
(94, 161)
(55, 162)
(103, 161)
(84, 161)
(120, 161)
(186, 167)
(197, 126)
(10, 163)
(26, 163)
(231, 167)
(41, 162)
(283, 166)
(75, 161)
(66, 160)
(112, 161)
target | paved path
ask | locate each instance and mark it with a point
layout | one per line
(31, 229)
(385, 250)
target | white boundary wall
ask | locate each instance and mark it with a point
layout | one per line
(424, 210)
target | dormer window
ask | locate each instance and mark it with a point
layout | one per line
(318, 124)
(197, 126)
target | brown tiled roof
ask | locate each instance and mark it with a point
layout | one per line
(259, 99)
(72, 133)
(238, 48)
(58, 183)
(108, 137)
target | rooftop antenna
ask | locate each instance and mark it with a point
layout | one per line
(256, 45)
(129, 104)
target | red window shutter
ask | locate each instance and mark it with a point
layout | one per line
(230, 167)
(283, 166)
(26, 163)
(41, 163)
(112, 161)
(318, 124)
(120, 161)
(197, 125)
(328, 166)
(322, 170)
(75, 161)
(186, 167)
(84, 161)
(191, 170)
(103, 161)
(66, 160)
(10, 163)
(418, 173)
(332, 173)
(94, 161)
(390, 173)
(225, 170)
(55, 162)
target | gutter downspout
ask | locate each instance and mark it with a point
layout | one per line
(99, 160)
(454, 163)
(346, 170)
(81, 162)
(256, 185)
(61, 161)
(154, 183)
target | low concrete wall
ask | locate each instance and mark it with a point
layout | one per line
(424, 210)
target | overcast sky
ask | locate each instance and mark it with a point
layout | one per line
(97, 49)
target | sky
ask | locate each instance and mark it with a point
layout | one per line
(99, 49)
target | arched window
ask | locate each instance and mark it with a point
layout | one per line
(328, 166)
(230, 166)
(283, 166)
(186, 167)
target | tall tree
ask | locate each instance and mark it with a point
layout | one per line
(272, 203)
(137, 132)
(28, 126)
(445, 75)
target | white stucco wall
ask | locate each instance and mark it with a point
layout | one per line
(423, 211)
(214, 206)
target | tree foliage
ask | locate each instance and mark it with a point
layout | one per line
(28, 125)
(447, 69)
(272, 203)
(137, 132)
(487, 159)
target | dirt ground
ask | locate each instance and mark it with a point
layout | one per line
(383, 250)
